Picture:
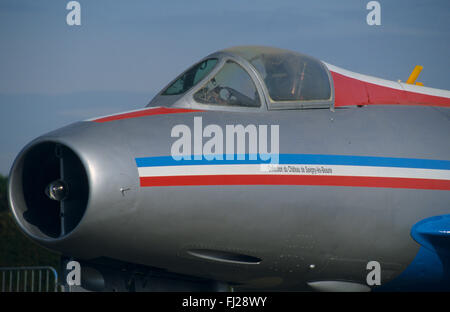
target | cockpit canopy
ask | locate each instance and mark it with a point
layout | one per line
(288, 76)
(248, 77)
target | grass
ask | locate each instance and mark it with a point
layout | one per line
(16, 249)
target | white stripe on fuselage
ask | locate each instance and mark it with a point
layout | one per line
(298, 169)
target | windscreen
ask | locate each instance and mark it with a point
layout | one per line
(191, 77)
(231, 86)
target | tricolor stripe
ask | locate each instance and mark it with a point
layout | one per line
(143, 112)
(316, 159)
(298, 169)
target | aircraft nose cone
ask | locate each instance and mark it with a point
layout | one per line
(57, 190)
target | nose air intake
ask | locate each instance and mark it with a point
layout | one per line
(48, 190)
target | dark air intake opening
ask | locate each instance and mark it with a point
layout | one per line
(44, 164)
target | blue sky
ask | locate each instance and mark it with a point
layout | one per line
(52, 74)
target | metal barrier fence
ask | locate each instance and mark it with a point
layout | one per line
(25, 279)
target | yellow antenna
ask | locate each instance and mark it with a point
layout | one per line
(415, 73)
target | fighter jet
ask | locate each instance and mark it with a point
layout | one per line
(257, 168)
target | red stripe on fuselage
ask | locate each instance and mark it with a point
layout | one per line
(146, 112)
(409, 183)
(351, 91)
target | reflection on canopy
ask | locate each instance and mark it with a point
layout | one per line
(289, 76)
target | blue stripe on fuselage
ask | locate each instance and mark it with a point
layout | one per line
(313, 159)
